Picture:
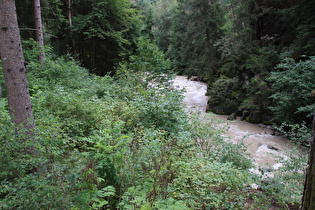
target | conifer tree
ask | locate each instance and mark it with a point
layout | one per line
(14, 68)
(162, 19)
(39, 30)
(195, 29)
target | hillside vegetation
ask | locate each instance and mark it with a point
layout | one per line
(117, 142)
(111, 131)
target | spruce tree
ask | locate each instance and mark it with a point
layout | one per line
(39, 30)
(195, 29)
(14, 70)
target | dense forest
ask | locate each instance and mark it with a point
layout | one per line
(105, 127)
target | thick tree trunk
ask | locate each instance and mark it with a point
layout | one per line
(13, 67)
(39, 30)
(308, 199)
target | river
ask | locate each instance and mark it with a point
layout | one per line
(262, 146)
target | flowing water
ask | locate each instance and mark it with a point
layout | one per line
(263, 147)
(194, 91)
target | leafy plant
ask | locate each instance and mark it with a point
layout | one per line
(293, 88)
(151, 63)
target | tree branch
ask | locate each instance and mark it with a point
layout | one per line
(34, 29)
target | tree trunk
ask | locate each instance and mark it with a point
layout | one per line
(93, 53)
(14, 70)
(0, 92)
(232, 9)
(39, 30)
(75, 50)
(70, 13)
(308, 199)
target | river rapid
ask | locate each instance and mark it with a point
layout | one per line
(263, 147)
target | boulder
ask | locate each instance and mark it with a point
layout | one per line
(254, 117)
(195, 78)
(267, 119)
(272, 147)
(245, 114)
(254, 186)
(277, 133)
(232, 117)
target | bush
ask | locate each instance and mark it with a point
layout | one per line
(105, 143)
(150, 63)
(294, 91)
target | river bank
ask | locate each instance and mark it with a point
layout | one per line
(264, 148)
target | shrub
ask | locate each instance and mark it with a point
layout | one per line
(293, 91)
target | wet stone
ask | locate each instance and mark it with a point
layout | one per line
(272, 147)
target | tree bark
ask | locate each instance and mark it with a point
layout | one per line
(75, 50)
(70, 13)
(14, 70)
(39, 30)
(308, 199)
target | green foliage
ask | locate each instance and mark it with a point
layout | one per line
(305, 30)
(108, 28)
(256, 102)
(284, 188)
(101, 144)
(125, 142)
(293, 91)
(210, 185)
(292, 173)
(223, 96)
(163, 22)
(2, 85)
(150, 63)
(298, 133)
(195, 27)
(256, 33)
(249, 63)
(146, 9)
(31, 51)
(187, 170)
(97, 33)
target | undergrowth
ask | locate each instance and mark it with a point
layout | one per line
(118, 142)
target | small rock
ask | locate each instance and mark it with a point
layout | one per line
(277, 166)
(267, 170)
(268, 181)
(272, 147)
(195, 78)
(245, 114)
(254, 186)
(277, 133)
(232, 117)
(254, 117)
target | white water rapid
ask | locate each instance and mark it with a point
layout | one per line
(194, 91)
(262, 145)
